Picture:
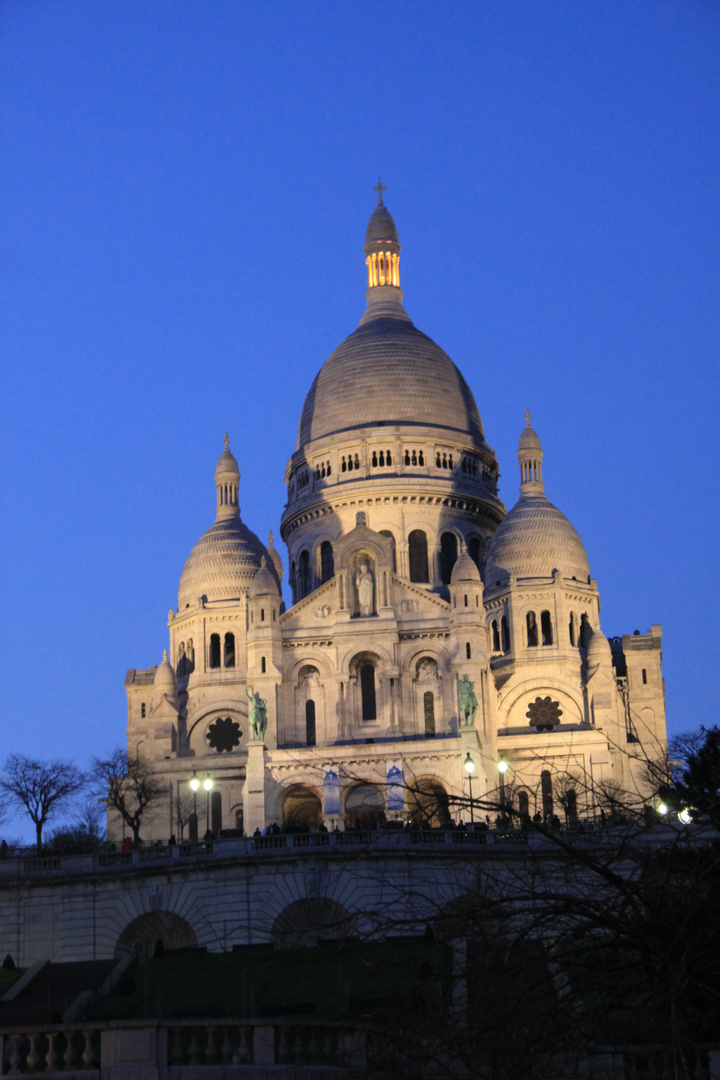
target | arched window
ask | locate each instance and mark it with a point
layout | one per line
(310, 734)
(429, 711)
(474, 550)
(546, 628)
(504, 634)
(293, 582)
(644, 676)
(229, 650)
(303, 575)
(214, 651)
(546, 791)
(523, 804)
(367, 691)
(448, 556)
(585, 631)
(389, 535)
(216, 812)
(327, 562)
(532, 629)
(573, 628)
(468, 651)
(418, 554)
(571, 808)
(262, 665)
(495, 636)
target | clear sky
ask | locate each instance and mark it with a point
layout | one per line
(184, 189)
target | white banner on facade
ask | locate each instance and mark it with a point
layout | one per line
(395, 786)
(331, 792)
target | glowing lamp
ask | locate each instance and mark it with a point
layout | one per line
(685, 816)
(194, 783)
(469, 765)
(662, 809)
(207, 783)
(503, 765)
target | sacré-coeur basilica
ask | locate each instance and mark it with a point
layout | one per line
(427, 624)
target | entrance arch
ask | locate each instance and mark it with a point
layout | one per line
(364, 807)
(141, 936)
(304, 923)
(429, 803)
(302, 807)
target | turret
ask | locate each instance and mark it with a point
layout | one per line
(530, 455)
(227, 483)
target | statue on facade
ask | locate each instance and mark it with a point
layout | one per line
(365, 585)
(257, 715)
(468, 701)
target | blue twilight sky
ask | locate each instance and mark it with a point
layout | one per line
(184, 189)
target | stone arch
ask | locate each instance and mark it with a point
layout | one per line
(142, 934)
(301, 806)
(305, 923)
(514, 706)
(428, 802)
(199, 722)
(364, 806)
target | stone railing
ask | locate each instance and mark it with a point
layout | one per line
(180, 1049)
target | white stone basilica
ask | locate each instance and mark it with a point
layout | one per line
(407, 575)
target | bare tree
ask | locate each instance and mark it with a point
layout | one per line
(42, 788)
(129, 786)
(184, 810)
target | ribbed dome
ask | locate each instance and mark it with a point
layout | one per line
(381, 226)
(534, 539)
(388, 371)
(222, 564)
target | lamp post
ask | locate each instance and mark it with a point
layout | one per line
(208, 786)
(469, 766)
(502, 769)
(194, 785)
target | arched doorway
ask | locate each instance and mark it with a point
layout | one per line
(429, 804)
(302, 808)
(364, 807)
(141, 936)
(307, 922)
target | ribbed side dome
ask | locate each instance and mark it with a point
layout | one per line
(534, 539)
(388, 371)
(222, 564)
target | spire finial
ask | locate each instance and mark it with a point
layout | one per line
(380, 187)
(226, 440)
(527, 418)
(165, 656)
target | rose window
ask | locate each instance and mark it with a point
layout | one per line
(223, 734)
(544, 713)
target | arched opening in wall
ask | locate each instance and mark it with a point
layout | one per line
(367, 692)
(585, 631)
(495, 636)
(305, 923)
(573, 629)
(142, 935)
(293, 582)
(214, 659)
(448, 556)
(546, 628)
(644, 676)
(240, 820)
(429, 803)
(216, 815)
(303, 574)
(429, 714)
(532, 629)
(546, 793)
(229, 650)
(364, 807)
(474, 550)
(504, 634)
(418, 556)
(523, 804)
(302, 807)
(310, 733)
(327, 561)
(193, 826)
(386, 533)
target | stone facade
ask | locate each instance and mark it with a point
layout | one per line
(406, 575)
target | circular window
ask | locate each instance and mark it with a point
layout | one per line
(544, 713)
(223, 734)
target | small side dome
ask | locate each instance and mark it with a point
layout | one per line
(165, 683)
(263, 584)
(529, 440)
(465, 570)
(598, 650)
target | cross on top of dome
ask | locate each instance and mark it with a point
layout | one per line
(380, 187)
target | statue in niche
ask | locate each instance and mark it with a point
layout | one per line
(427, 671)
(468, 701)
(257, 716)
(365, 585)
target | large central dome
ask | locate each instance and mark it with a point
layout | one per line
(387, 371)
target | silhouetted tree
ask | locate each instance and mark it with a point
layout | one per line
(129, 786)
(42, 788)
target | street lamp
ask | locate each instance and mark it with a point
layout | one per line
(502, 769)
(685, 816)
(469, 766)
(662, 809)
(208, 786)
